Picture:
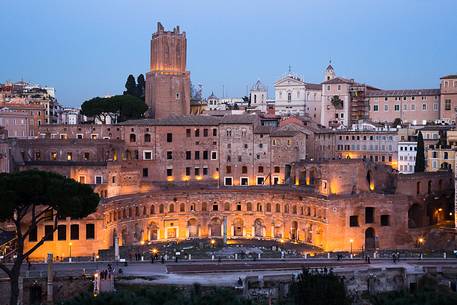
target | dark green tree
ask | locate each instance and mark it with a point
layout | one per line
(122, 107)
(29, 198)
(130, 86)
(420, 155)
(141, 85)
(396, 122)
(319, 288)
(337, 102)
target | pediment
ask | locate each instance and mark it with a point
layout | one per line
(289, 81)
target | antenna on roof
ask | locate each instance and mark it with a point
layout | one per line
(223, 91)
(290, 69)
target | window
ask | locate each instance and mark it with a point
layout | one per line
(277, 169)
(260, 180)
(228, 169)
(132, 137)
(397, 107)
(82, 179)
(197, 155)
(61, 232)
(249, 206)
(205, 132)
(205, 171)
(33, 235)
(197, 171)
(214, 155)
(53, 156)
(74, 232)
(147, 155)
(238, 206)
(197, 132)
(229, 132)
(385, 220)
(49, 232)
(244, 169)
(188, 132)
(289, 97)
(228, 181)
(215, 207)
(69, 156)
(98, 179)
(375, 108)
(244, 181)
(369, 215)
(169, 155)
(187, 171)
(205, 155)
(188, 155)
(354, 221)
(386, 107)
(169, 137)
(90, 231)
(169, 172)
(424, 107)
(447, 105)
(214, 132)
(86, 156)
(145, 172)
(260, 169)
(147, 138)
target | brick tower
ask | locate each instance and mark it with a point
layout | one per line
(168, 82)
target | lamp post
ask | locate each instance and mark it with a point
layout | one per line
(351, 241)
(69, 259)
(213, 242)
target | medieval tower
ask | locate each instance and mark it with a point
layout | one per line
(168, 82)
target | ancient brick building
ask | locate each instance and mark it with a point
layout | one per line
(168, 82)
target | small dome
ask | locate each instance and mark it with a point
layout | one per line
(212, 96)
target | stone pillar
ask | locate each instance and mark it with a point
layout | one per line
(224, 230)
(50, 286)
(116, 248)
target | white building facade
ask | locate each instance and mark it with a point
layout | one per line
(407, 151)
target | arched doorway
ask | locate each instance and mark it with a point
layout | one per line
(215, 229)
(35, 294)
(415, 216)
(294, 231)
(238, 227)
(258, 227)
(370, 239)
(192, 228)
(153, 231)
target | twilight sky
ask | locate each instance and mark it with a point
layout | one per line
(86, 48)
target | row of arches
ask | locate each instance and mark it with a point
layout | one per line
(139, 211)
(236, 227)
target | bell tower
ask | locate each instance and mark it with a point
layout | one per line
(168, 82)
(329, 72)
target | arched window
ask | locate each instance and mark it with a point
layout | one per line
(418, 188)
(259, 207)
(144, 211)
(286, 208)
(171, 208)
(294, 209)
(152, 210)
(204, 206)
(249, 206)
(227, 206)
(161, 208)
(268, 207)
(147, 138)
(182, 207)
(278, 208)
(132, 137)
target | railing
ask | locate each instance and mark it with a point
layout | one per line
(8, 249)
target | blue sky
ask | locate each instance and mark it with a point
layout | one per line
(86, 48)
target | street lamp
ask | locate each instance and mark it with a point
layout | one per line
(70, 244)
(213, 242)
(351, 241)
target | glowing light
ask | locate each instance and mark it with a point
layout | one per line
(70, 244)
(371, 186)
(307, 180)
(450, 213)
(142, 242)
(216, 176)
(297, 181)
(199, 178)
(440, 210)
(154, 250)
(281, 241)
(421, 240)
(212, 242)
(351, 240)
(170, 179)
(185, 178)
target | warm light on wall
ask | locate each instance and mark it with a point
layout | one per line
(199, 178)
(334, 187)
(297, 181)
(307, 180)
(185, 178)
(170, 179)
(216, 176)
(372, 186)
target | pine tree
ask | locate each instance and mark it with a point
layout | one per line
(420, 155)
(141, 84)
(130, 85)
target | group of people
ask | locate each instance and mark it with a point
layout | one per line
(395, 257)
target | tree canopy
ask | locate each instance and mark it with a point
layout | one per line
(316, 288)
(31, 197)
(122, 107)
(135, 88)
(420, 154)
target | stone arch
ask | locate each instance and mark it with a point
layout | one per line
(182, 207)
(309, 233)
(259, 207)
(286, 208)
(171, 208)
(124, 235)
(238, 227)
(161, 208)
(294, 209)
(137, 233)
(259, 228)
(268, 207)
(415, 218)
(152, 210)
(314, 176)
(370, 239)
(147, 137)
(192, 228)
(278, 208)
(132, 137)
(215, 227)
(277, 230)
